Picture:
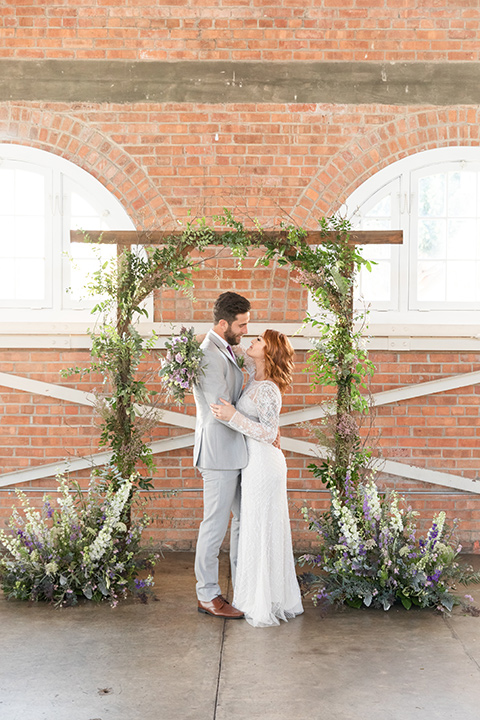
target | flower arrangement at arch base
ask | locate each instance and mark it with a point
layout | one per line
(83, 547)
(371, 555)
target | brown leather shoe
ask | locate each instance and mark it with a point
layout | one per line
(219, 607)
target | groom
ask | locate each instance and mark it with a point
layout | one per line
(220, 452)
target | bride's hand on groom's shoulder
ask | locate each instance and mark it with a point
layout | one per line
(201, 337)
(223, 410)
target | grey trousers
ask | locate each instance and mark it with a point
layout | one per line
(221, 496)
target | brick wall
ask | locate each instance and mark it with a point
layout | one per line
(242, 30)
(440, 432)
(265, 160)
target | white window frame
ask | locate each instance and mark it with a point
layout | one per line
(393, 187)
(61, 174)
(403, 316)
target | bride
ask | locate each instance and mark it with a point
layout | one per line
(266, 587)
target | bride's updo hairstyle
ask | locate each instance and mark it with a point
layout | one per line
(278, 359)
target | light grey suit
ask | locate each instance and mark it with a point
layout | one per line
(220, 453)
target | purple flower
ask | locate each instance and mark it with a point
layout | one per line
(179, 357)
(366, 509)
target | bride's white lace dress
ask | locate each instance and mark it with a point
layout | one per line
(266, 587)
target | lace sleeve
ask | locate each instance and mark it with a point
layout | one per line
(248, 363)
(268, 402)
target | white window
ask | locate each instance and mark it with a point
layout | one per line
(434, 277)
(42, 197)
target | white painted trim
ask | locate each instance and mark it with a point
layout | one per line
(388, 337)
(425, 329)
(301, 447)
(406, 392)
(432, 387)
(37, 387)
(294, 445)
(300, 343)
(433, 477)
(63, 178)
(300, 416)
(39, 472)
(391, 467)
(73, 465)
(170, 417)
(405, 172)
(80, 397)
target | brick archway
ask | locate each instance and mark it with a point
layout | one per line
(93, 151)
(368, 153)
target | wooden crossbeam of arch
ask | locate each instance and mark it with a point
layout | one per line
(157, 237)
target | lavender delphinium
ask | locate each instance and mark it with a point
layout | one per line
(370, 555)
(82, 548)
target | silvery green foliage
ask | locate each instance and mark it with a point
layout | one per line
(371, 554)
(80, 545)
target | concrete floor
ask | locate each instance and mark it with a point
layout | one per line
(165, 661)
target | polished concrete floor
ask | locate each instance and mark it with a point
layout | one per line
(165, 661)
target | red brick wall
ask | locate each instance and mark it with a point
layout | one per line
(440, 432)
(242, 30)
(265, 160)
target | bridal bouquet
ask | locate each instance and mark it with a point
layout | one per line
(182, 365)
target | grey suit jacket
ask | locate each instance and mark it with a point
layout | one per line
(217, 445)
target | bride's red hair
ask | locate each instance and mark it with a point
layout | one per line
(278, 359)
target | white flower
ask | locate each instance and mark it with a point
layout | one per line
(371, 494)
(396, 520)
(51, 568)
(112, 520)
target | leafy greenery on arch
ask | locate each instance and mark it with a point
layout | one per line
(327, 270)
(369, 553)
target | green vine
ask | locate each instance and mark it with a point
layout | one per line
(337, 359)
(118, 348)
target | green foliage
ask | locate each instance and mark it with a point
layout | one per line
(83, 546)
(371, 554)
(337, 359)
(118, 348)
(359, 459)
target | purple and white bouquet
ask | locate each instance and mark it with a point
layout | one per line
(182, 365)
(78, 547)
(370, 554)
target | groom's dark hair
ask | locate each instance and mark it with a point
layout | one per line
(228, 305)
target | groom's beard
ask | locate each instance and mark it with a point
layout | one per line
(231, 338)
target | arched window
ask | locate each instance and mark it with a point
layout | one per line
(42, 197)
(434, 277)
